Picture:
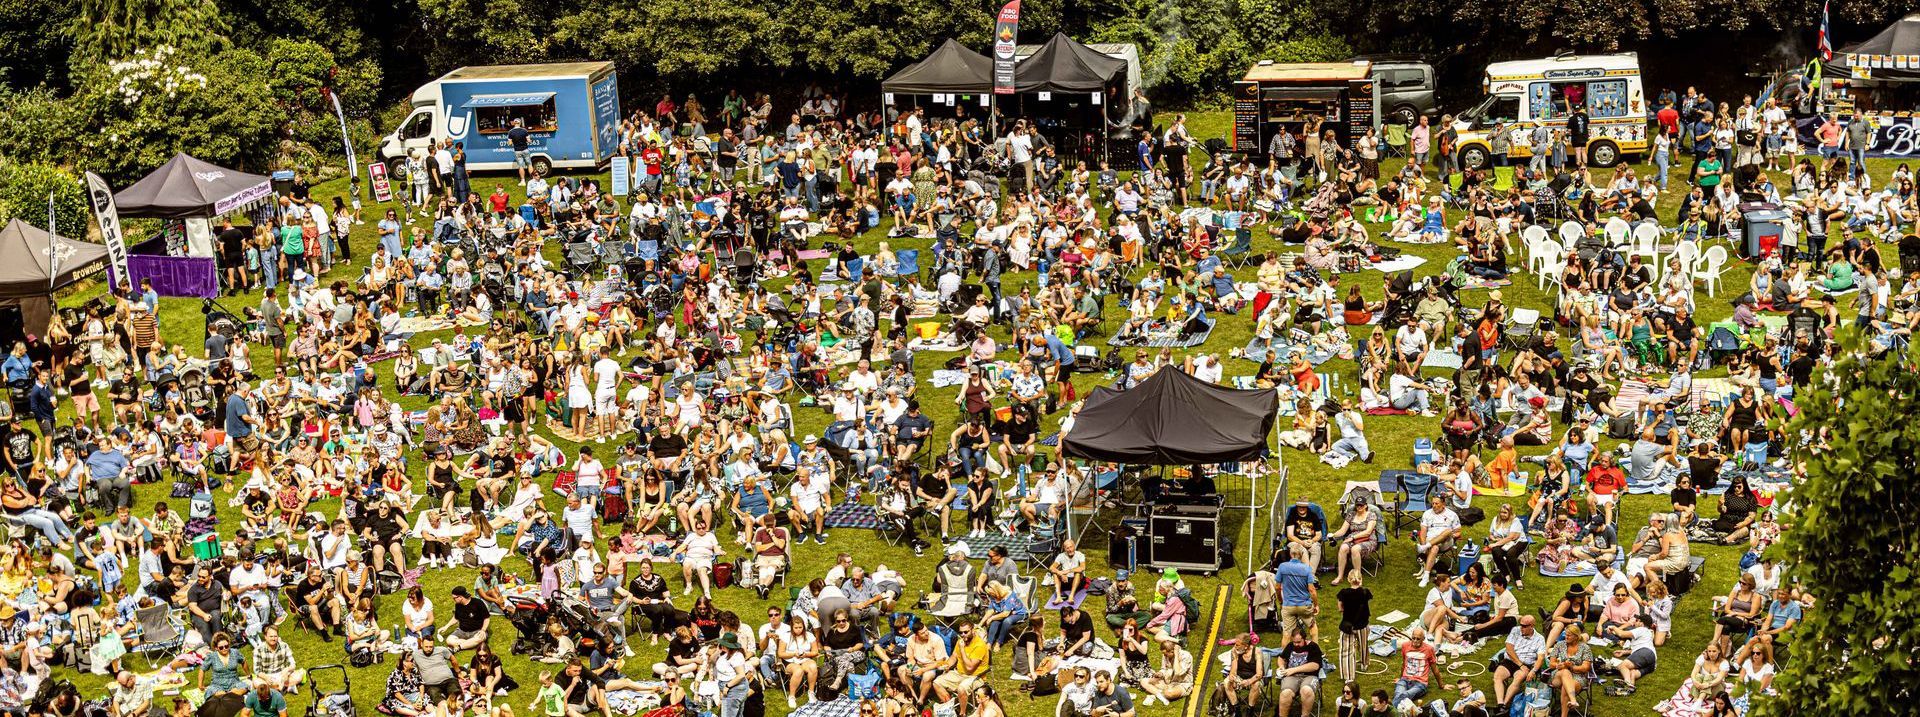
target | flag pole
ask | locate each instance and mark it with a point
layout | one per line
(53, 245)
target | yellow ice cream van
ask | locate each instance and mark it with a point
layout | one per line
(1521, 93)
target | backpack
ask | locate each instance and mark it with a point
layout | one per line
(1621, 427)
(1193, 605)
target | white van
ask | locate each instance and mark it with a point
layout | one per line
(1523, 92)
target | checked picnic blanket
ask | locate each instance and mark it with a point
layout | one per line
(853, 515)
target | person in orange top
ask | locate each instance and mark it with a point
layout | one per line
(1504, 464)
(1605, 480)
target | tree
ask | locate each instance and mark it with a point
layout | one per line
(136, 114)
(24, 188)
(1852, 541)
(108, 30)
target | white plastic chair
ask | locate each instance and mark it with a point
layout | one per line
(1536, 240)
(1688, 253)
(1646, 241)
(1617, 230)
(1552, 266)
(1539, 251)
(1571, 232)
(1712, 267)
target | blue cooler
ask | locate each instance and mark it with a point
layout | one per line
(1422, 451)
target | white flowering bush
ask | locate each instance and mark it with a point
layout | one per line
(153, 73)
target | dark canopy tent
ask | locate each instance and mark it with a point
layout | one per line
(1065, 65)
(1888, 56)
(188, 187)
(1173, 418)
(1072, 75)
(951, 68)
(25, 280)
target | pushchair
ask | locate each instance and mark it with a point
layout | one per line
(326, 702)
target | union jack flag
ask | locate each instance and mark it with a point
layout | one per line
(1823, 44)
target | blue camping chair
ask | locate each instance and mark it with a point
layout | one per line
(909, 262)
(1412, 500)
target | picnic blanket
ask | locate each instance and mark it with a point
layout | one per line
(1399, 263)
(1170, 338)
(918, 345)
(1442, 358)
(846, 706)
(418, 324)
(1016, 546)
(1284, 351)
(853, 515)
(1476, 282)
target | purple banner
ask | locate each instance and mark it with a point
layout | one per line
(194, 276)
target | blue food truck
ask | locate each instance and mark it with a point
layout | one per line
(570, 109)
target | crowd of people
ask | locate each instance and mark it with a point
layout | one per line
(602, 430)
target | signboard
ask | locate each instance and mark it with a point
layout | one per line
(101, 198)
(1361, 106)
(606, 116)
(622, 176)
(1892, 136)
(1006, 31)
(1246, 117)
(382, 189)
(243, 197)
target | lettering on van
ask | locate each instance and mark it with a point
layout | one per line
(1577, 74)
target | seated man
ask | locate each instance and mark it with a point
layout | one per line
(1519, 661)
(867, 598)
(899, 508)
(1068, 570)
(1439, 526)
(926, 658)
(273, 663)
(1298, 665)
(468, 628)
(966, 668)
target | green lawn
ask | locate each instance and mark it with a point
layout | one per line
(1392, 437)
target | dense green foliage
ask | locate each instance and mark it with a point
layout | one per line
(98, 84)
(23, 193)
(1853, 544)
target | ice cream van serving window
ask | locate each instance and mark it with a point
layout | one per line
(497, 119)
(1602, 98)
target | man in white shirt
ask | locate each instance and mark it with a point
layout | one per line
(811, 500)
(1439, 526)
(443, 164)
(1408, 393)
(606, 387)
(1411, 342)
(1020, 151)
(862, 378)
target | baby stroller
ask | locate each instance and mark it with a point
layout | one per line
(530, 621)
(326, 702)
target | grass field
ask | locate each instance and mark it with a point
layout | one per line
(1392, 437)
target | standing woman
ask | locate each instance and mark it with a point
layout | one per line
(1310, 159)
(462, 188)
(579, 397)
(1369, 148)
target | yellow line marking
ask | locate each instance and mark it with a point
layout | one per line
(1204, 667)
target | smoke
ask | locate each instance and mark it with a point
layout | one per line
(1170, 21)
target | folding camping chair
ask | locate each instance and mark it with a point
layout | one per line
(161, 633)
(1240, 252)
(1411, 499)
(951, 596)
(908, 263)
